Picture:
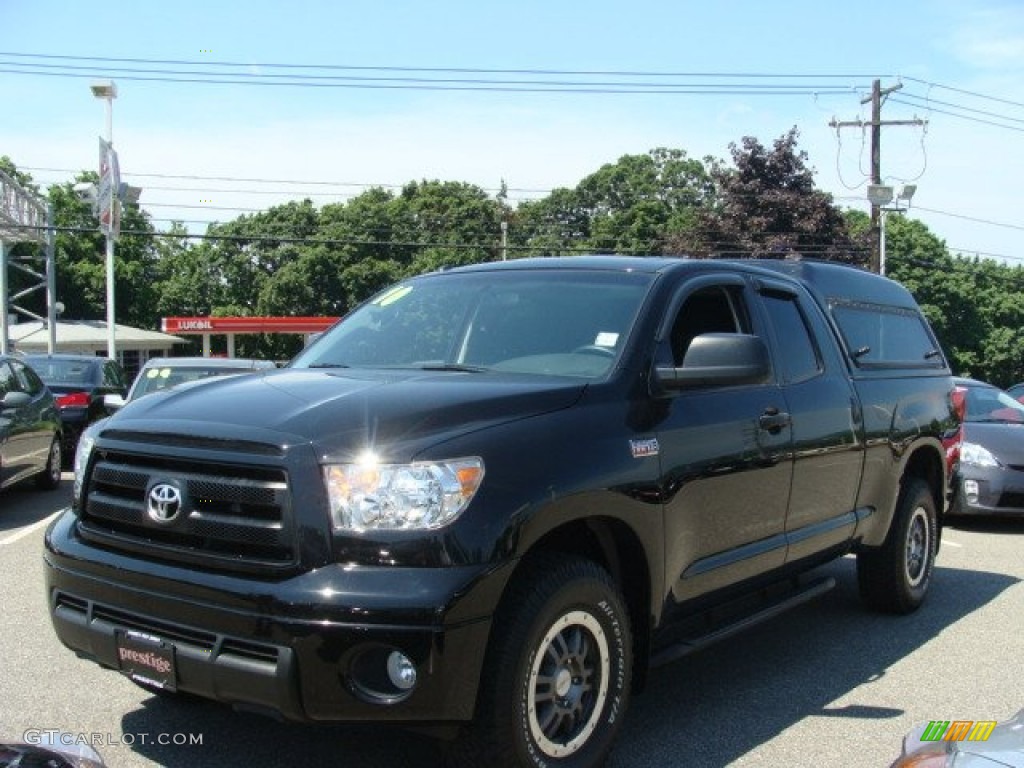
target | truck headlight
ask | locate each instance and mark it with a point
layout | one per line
(368, 495)
(977, 455)
(82, 454)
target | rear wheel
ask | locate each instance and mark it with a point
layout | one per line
(556, 681)
(50, 477)
(895, 577)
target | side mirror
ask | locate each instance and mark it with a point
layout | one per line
(719, 359)
(15, 399)
(113, 402)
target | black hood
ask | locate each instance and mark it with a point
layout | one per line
(343, 412)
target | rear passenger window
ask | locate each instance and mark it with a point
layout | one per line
(880, 335)
(798, 355)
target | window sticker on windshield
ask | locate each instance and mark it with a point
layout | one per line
(393, 295)
(607, 339)
(152, 373)
(165, 372)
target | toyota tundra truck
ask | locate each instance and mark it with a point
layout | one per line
(490, 499)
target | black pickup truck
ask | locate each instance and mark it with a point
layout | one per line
(490, 499)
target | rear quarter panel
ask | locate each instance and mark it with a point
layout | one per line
(905, 417)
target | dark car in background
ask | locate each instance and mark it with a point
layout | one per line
(79, 383)
(30, 428)
(990, 478)
(164, 372)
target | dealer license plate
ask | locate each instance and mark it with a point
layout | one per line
(146, 659)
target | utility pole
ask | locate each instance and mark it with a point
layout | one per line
(876, 98)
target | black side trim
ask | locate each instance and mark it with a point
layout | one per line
(746, 552)
(698, 642)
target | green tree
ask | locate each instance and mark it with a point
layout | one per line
(80, 257)
(429, 225)
(552, 226)
(975, 306)
(766, 205)
(184, 275)
(631, 206)
(21, 178)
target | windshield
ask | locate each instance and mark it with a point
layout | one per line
(987, 404)
(569, 323)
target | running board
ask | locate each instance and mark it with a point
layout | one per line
(693, 644)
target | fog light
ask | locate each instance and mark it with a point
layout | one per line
(401, 671)
(382, 674)
(971, 491)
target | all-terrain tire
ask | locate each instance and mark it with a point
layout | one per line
(557, 675)
(894, 578)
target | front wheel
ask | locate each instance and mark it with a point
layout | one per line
(895, 577)
(556, 681)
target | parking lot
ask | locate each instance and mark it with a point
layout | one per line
(827, 684)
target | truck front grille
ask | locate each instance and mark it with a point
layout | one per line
(235, 516)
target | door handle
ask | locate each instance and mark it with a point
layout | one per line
(773, 420)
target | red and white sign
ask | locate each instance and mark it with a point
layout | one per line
(200, 325)
(108, 206)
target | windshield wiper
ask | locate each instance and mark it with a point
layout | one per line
(452, 367)
(328, 365)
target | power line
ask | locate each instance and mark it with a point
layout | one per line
(964, 92)
(289, 79)
(426, 84)
(927, 101)
(971, 218)
(378, 185)
(425, 78)
(485, 79)
(967, 117)
(369, 185)
(258, 180)
(975, 252)
(449, 70)
(561, 247)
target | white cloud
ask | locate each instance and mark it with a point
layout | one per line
(992, 38)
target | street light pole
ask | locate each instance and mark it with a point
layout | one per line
(880, 196)
(108, 92)
(882, 212)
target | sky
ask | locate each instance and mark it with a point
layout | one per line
(328, 98)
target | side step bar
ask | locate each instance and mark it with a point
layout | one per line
(690, 645)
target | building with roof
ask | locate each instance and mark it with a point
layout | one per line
(89, 337)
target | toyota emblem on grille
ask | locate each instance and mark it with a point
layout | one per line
(164, 502)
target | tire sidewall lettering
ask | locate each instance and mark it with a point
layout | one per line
(607, 615)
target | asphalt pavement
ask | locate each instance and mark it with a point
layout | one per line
(827, 684)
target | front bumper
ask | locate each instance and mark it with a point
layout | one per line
(301, 648)
(988, 491)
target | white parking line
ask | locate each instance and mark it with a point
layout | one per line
(947, 543)
(26, 531)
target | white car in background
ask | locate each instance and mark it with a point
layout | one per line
(161, 373)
